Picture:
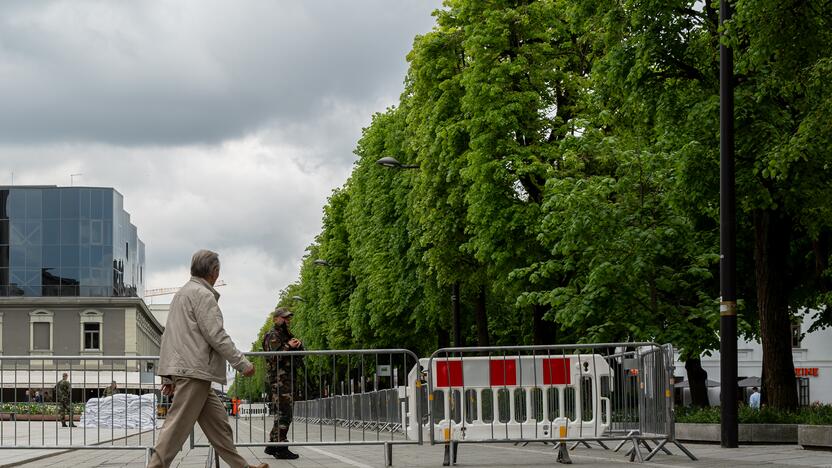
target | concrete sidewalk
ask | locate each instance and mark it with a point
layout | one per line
(469, 455)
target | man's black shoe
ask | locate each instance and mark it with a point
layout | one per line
(283, 453)
(271, 450)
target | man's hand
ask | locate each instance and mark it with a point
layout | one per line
(295, 343)
(249, 372)
(168, 389)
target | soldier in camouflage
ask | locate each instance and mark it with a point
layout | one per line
(279, 379)
(63, 396)
(111, 390)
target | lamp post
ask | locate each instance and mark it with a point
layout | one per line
(456, 322)
(297, 299)
(727, 243)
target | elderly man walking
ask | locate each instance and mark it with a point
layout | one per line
(194, 350)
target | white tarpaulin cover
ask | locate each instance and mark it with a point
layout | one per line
(121, 411)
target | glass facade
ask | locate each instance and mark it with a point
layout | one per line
(68, 241)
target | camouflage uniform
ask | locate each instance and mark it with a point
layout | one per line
(279, 378)
(109, 391)
(62, 397)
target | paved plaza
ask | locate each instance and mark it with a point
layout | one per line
(470, 455)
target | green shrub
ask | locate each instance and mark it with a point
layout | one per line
(37, 408)
(816, 414)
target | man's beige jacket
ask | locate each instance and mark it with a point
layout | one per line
(195, 344)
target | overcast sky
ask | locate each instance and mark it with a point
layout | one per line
(225, 124)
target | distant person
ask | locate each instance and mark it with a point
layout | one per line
(195, 348)
(63, 395)
(38, 397)
(111, 390)
(754, 399)
(279, 376)
(28, 396)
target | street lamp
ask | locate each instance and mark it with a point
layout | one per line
(322, 263)
(393, 163)
(297, 298)
(727, 243)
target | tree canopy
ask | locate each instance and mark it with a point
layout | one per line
(567, 183)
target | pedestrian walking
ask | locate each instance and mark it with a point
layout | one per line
(195, 348)
(63, 395)
(279, 376)
(754, 399)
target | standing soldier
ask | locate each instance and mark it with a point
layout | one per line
(63, 395)
(279, 377)
(111, 390)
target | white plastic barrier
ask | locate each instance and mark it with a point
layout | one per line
(513, 397)
(121, 411)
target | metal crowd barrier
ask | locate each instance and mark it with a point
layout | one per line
(341, 397)
(29, 406)
(556, 394)
(381, 409)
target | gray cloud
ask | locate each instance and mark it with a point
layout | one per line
(194, 71)
(225, 125)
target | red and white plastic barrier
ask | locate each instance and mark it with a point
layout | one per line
(510, 397)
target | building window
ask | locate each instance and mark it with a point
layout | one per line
(1, 332)
(803, 391)
(796, 335)
(91, 330)
(40, 332)
(92, 337)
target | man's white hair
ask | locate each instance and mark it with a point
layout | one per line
(204, 262)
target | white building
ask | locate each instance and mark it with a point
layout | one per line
(812, 356)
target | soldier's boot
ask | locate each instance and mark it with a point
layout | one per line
(274, 436)
(72, 424)
(63, 423)
(283, 453)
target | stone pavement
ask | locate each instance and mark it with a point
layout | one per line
(470, 455)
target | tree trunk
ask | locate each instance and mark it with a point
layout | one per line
(697, 379)
(545, 332)
(771, 251)
(482, 318)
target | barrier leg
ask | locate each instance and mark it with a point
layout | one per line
(454, 449)
(563, 454)
(148, 452)
(624, 441)
(209, 462)
(635, 453)
(685, 450)
(216, 459)
(447, 460)
(602, 445)
(388, 454)
(664, 449)
(656, 450)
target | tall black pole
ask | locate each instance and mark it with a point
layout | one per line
(457, 322)
(727, 242)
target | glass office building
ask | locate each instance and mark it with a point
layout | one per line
(69, 242)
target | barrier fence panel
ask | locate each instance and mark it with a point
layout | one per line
(341, 397)
(556, 394)
(35, 397)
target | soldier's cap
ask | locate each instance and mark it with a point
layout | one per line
(282, 312)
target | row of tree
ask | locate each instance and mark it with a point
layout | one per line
(567, 184)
